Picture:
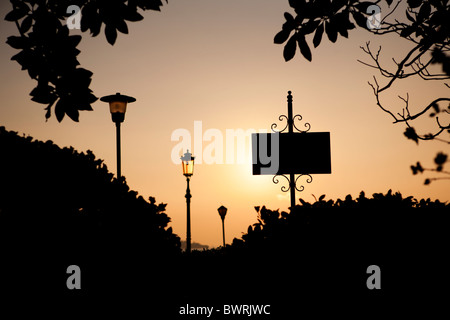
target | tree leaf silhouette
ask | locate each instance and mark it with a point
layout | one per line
(310, 26)
(16, 42)
(26, 24)
(414, 3)
(289, 18)
(360, 19)
(318, 35)
(343, 23)
(409, 17)
(48, 112)
(406, 32)
(111, 34)
(72, 113)
(59, 110)
(289, 48)
(132, 15)
(410, 133)
(424, 12)
(91, 19)
(331, 31)
(122, 26)
(441, 158)
(304, 48)
(281, 36)
(17, 13)
(43, 94)
(338, 4)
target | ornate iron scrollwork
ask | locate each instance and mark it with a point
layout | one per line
(307, 125)
(308, 180)
(274, 125)
(283, 188)
(286, 189)
(281, 117)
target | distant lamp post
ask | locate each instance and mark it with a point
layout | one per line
(187, 161)
(118, 107)
(223, 212)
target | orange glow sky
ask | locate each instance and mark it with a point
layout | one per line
(215, 62)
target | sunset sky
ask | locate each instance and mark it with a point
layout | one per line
(215, 62)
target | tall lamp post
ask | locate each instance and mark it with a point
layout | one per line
(223, 212)
(118, 107)
(187, 161)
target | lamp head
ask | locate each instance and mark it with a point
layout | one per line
(222, 212)
(187, 161)
(118, 105)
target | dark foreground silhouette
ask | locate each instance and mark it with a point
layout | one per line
(59, 208)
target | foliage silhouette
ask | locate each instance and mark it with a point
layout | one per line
(440, 160)
(317, 255)
(49, 53)
(60, 207)
(425, 27)
(330, 244)
(275, 229)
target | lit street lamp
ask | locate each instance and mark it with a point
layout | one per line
(223, 212)
(187, 161)
(118, 107)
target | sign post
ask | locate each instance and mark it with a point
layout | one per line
(289, 153)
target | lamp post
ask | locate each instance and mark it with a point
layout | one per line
(222, 212)
(187, 161)
(118, 107)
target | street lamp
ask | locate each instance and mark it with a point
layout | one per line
(222, 212)
(118, 107)
(187, 161)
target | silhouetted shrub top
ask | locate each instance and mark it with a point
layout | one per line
(377, 222)
(70, 196)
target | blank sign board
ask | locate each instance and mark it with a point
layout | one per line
(285, 153)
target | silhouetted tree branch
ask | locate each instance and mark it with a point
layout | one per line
(426, 27)
(440, 160)
(49, 53)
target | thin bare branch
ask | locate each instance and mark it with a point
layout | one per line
(376, 88)
(427, 108)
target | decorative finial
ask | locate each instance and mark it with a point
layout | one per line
(289, 97)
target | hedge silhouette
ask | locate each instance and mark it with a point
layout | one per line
(371, 217)
(318, 254)
(60, 207)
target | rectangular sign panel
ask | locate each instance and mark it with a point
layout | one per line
(285, 153)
